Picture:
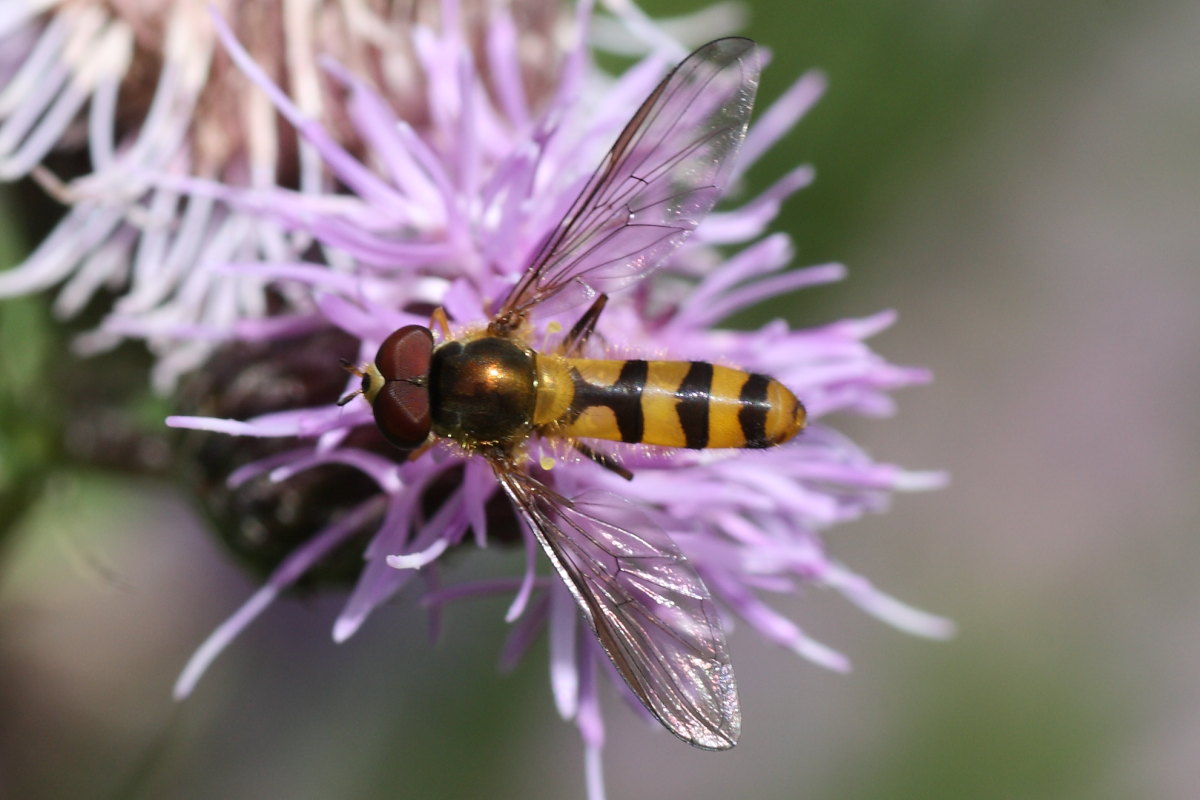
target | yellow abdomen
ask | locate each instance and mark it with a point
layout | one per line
(690, 404)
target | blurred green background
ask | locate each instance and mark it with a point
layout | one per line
(1020, 181)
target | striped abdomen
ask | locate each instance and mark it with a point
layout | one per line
(673, 403)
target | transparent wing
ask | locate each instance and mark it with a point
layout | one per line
(648, 607)
(665, 172)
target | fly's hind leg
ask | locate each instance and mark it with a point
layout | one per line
(582, 330)
(604, 460)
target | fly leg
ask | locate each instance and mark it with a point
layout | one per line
(604, 460)
(438, 321)
(582, 330)
(421, 450)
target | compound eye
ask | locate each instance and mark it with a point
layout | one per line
(405, 354)
(402, 413)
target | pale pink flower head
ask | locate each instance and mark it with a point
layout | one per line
(97, 96)
(444, 201)
(451, 217)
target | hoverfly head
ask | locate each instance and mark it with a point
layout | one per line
(397, 386)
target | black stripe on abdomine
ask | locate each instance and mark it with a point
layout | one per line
(626, 401)
(694, 393)
(753, 414)
(624, 397)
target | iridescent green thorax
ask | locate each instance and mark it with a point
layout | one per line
(483, 391)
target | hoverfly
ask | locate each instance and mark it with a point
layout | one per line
(491, 392)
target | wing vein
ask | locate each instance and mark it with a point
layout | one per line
(666, 168)
(646, 605)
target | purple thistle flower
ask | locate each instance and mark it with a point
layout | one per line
(145, 89)
(451, 217)
(443, 202)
